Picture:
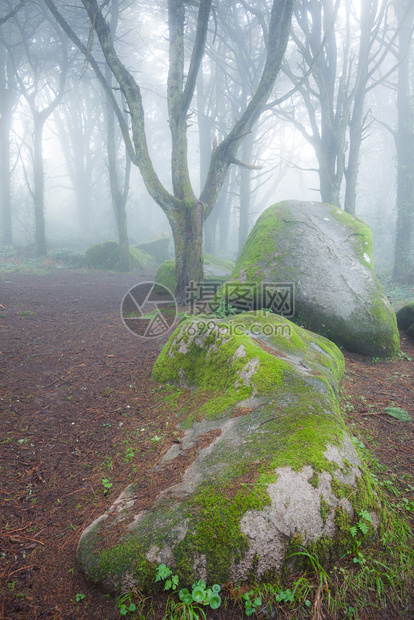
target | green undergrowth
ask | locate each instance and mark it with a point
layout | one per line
(371, 576)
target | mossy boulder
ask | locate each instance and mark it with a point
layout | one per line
(165, 274)
(107, 256)
(214, 267)
(265, 461)
(405, 318)
(325, 254)
(157, 246)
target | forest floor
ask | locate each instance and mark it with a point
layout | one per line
(81, 417)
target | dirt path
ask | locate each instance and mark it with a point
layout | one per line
(78, 406)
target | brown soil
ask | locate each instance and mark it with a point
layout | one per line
(78, 405)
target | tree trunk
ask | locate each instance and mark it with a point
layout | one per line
(185, 212)
(5, 189)
(403, 260)
(356, 125)
(245, 191)
(39, 188)
(329, 179)
(224, 203)
(187, 228)
(6, 102)
(119, 197)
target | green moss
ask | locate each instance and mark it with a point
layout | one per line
(314, 480)
(325, 510)
(291, 418)
(166, 271)
(260, 247)
(216, 261)
(269, 256)
(107, 256)
(405, 316)
(214, 527)
(360, 235)
(165, 274)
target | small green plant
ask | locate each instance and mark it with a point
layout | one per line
(165, 574)
(80, 597)
(106, 485)
(251, 606)
(361, 526)
(285, 596)
(125, 605)
(129, 455)
(224, 309)
(189, 601)
(357, 442)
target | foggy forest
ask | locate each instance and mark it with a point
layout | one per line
(332, 121)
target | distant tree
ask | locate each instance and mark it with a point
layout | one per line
(186, 212)
(79, 121)
(118, 179)
(342, 45)
(12, 12)
(404, 138)
(8, 99)
(41, 80)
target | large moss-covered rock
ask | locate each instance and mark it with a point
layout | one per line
(107, 256)
(214, 268)
(157, 246)
(326, 254)
(165, 274)
(405, 318)
(264, 462)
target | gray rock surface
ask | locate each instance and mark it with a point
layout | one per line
(271, 461)
(405, 318)
(326, 255)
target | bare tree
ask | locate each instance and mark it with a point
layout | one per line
(404, 137)
(186, 212)
(79, 121)
(333, 78)
(8, 100)
(41, 80)
(12, 12)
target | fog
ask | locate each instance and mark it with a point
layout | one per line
(305, 144)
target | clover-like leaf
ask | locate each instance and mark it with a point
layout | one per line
(215, 601)
(198, 594)
(182, 593)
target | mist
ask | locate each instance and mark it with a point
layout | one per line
(334, 128)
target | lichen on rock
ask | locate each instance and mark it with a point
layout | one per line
(405, 318)
(106, 255)
(325, 254)
(276, 468)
